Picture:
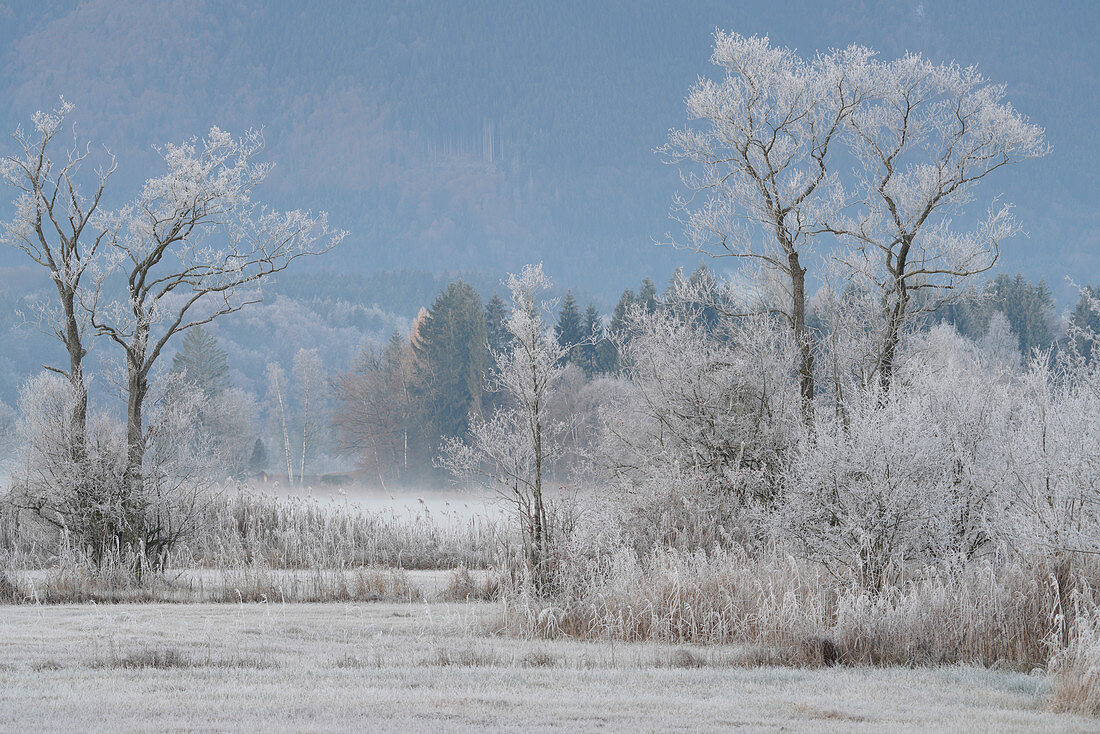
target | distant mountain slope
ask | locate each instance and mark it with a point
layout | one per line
(484, 134)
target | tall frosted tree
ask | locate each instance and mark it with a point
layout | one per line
(511, 451)
(757, 163)
(58, 226)
(930, 136)
(191, 248)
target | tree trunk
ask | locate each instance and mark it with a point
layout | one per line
(538, 540)
(78, 420)
(802, 337)
(895, 317)
(137, 388)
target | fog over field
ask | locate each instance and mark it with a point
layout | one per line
(487, 366)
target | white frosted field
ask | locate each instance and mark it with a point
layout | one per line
(421, 667)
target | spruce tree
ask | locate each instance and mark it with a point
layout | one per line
(452, 363)
(609, 358)
(647, 296)
(569, 331)
(1029, 308)
(496, 314)
(588, 354)
(257, 462)
(1085, 319)
(201, 362)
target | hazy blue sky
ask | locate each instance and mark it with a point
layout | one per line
(485, 134)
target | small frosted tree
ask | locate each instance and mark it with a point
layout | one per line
(510, 452)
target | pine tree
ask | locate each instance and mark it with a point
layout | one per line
(647, 296)
(1085, 319)
(1029, 308)
(258, 461)
(201, 362)
(609, 358)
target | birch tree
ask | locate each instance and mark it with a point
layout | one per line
(757, 166)
(191, 248)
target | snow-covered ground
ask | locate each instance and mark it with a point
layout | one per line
(413, 667)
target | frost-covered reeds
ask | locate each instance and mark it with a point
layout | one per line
(253, 547)
(787, 611)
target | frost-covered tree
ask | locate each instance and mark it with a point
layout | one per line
(91, 500)
(1084, 324)
(758, 164)
(57, 225)
(510, 452)
(192, 247)
(932, 133)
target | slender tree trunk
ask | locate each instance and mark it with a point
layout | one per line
(802, 337)
(539, 519)
(889, 351)
(305, 434)
(895, 318)
(286, 432)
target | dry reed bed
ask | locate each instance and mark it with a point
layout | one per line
(984, 613)
(242, 528)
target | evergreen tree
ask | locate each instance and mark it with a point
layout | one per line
(569, 331)
(608, 352)
(618, 316)
(257, 462)
(1086, 319)
(452, 362)
(588, 354)
(647, 296)
(496, 314)
(201, 362)
(1029, 308)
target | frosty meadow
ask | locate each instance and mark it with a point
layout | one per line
(843, 475)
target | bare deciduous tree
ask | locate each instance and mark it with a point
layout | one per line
(191, 248)
(58, 227)
(932, 133)
(510, 452)
(761, 162)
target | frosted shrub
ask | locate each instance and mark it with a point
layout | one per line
(905, 478)
(705, 418)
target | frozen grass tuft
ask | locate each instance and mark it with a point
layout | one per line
(1075, 670)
